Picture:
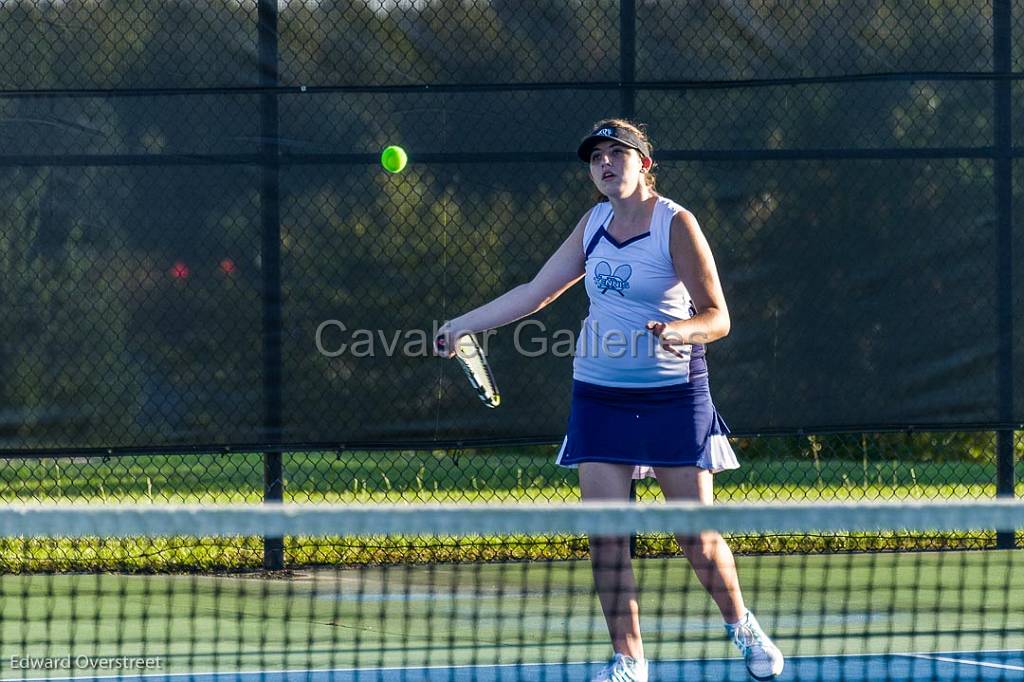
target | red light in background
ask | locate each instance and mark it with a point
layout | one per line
(227, 266)
(180, 270)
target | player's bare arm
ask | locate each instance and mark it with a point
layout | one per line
(694, 264)
(563, 269)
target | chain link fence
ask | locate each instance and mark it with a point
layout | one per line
(840, 467)
(193, 225)
(865, 466)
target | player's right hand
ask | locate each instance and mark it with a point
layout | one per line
(445, 342)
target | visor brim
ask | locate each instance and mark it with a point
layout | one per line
(588, 144)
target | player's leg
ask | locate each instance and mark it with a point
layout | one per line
(715, 566)
(609, 556)
(707, 552)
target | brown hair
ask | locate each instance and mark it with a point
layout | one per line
(641, 131)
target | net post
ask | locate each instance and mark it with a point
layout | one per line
(270, 255)
(1002, 22)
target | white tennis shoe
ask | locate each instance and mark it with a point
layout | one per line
(764, 660)
(623, 668)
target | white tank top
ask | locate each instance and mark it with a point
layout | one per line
(628, 284)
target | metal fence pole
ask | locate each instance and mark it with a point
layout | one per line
(1005, 480)
(627, 109)
(627, 57)
(1003, 102)
(273, 489)
(633, 537)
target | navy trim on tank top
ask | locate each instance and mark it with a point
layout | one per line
(602, 232)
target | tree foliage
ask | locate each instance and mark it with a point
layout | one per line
(843, 275)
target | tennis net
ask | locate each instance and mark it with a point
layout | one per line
(855, 615)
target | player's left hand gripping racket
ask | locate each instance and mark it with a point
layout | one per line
(474, 364)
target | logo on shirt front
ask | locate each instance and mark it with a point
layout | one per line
(605, 279)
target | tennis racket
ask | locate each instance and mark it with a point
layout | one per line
(474, 365)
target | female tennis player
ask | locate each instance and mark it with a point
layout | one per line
(641, 402)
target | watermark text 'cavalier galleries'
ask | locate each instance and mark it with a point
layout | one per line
(531, 339)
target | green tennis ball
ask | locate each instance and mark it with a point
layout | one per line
(393, 159)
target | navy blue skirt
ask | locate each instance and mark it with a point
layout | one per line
(674, 425)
